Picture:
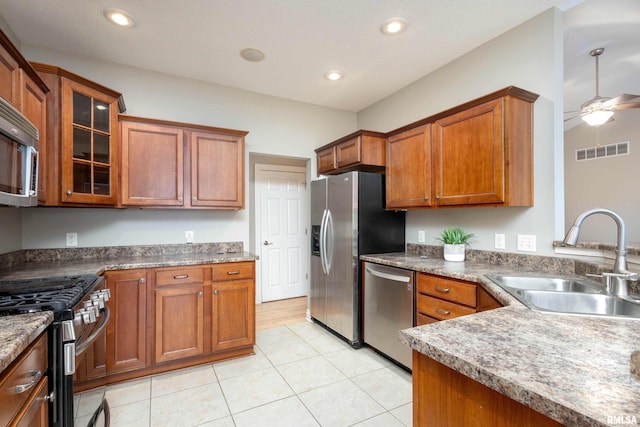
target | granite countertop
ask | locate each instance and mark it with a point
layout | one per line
(97, 266)
(17, 332)
(574, 369)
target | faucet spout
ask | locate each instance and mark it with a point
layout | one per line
(622, 275)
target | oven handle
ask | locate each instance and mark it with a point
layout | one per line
(81, 347)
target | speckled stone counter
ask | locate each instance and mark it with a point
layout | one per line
(17, 332)
(574, 369)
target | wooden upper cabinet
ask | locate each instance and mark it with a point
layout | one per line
(170, 164)
(409, 169)
(481, 154)
(80, 165)
(362, 150)
(9, 76)
(152, 164)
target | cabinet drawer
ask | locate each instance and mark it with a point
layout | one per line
(179, 276)
(421, 319)
(232, 271)
(25, 373)
(441, 309)
(451, 290)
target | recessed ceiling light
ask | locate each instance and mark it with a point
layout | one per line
(252, 55)
(119, 17)
(333, 75)
(393, 26)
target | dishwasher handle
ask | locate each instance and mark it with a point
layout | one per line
(394, 277)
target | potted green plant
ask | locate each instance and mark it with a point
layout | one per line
(454, 239)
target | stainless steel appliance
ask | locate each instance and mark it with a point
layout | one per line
(80, 317)
(388, 308)
(348, 219)
(18, 158)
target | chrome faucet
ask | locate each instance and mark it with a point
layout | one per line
(617, 282)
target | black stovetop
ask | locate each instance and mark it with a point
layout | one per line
(52, 293)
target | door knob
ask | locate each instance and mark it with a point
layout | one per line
(267, 243)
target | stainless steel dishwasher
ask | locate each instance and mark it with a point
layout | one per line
(388, 308)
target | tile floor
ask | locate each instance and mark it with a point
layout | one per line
(301, 375)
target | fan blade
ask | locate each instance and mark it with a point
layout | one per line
(572, 116)
(624, 101)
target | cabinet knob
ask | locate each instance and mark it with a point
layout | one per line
(200, 294)
(141, 280)
(69, 192)
(215, 292)
(426, 197)
(195, 199)
(437, 197)
(179, 199)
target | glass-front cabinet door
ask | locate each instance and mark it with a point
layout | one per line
(90, 141)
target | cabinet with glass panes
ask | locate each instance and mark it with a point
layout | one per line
(82, 142)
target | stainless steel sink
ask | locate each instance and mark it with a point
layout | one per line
(543, 283)
(582, 303)
(566, 295)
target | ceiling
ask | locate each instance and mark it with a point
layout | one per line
(302, 39)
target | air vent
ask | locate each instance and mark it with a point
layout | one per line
(602, 151)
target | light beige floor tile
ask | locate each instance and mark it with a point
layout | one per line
(222, 422)
(189, 407)
(326, 343)
(306, 329)
(281, 413)
(340, 404)
(390, 387)
(288, 351)
(131, 415)
(404, 413)
(273, 335)
(128, 392)
(254, 389)
(382, 420)
(241, 366)
(306, 374)
(353, 363)
(88, 401)
(182, 379)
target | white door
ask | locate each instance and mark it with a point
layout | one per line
(282, 232)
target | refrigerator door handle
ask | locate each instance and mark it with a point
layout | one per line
(323, 242)
(330, 241)
(388, 276)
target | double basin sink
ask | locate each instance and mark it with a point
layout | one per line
(566, 295)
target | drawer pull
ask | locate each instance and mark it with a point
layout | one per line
(443, 312)
(443, 290)
(232, 273)
(36, 374)
(184, 276)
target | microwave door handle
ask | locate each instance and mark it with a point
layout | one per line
(31, 158)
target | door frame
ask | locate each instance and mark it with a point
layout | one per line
(259, 168)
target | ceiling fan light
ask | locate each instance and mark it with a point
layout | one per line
(597, 117)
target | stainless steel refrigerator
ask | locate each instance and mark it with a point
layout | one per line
(348, 219)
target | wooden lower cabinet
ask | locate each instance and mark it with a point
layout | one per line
(36, 411)
(232, 314)
(444, 397)
(179, 322)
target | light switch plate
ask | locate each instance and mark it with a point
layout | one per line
(499, 241)
(188, 235)
(72, 239)
(526, 242)
(421, 236)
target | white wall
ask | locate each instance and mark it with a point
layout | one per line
(529, 56)
(609, 182)
(276, 126)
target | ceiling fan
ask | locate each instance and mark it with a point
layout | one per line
(599, 110)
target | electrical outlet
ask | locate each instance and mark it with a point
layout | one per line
(188, 235)
(499, 241)
(421, 237)
(72, 239)
(526, 243)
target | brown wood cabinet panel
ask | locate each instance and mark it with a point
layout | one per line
(441, 309)
(232, 271)
(9, 79)
(444, 397)
(408, 169)
(93, 362)
(179, 327)
(36, 410)
(233, 314)
(127, 331)
(348, 152)
(33, 104)
(326, 160)
(152, 164)
(179, 275)
(217, 170)
(448, 289)
(422, 319)
(468, 155)
(361, 150)
(33, 359)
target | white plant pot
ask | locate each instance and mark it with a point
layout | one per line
(453, 252)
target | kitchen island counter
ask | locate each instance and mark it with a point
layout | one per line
(18, 331)
(573, 369)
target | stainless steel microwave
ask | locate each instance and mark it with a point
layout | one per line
(18, 158)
